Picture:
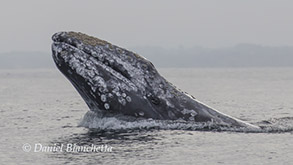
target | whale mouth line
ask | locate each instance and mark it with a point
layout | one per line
(89, 57)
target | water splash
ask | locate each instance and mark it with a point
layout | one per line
(104, 122)
(277, 125)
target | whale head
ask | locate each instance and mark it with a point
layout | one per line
(114, 80)
(110, 78)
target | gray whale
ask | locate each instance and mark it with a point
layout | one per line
(114, 80)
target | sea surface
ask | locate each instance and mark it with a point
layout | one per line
(40, 109)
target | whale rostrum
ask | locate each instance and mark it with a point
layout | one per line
(112, 79)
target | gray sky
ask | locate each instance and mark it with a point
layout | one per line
(28, 25)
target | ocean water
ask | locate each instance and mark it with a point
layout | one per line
(39, 110)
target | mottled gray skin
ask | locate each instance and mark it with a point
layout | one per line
(111, 79)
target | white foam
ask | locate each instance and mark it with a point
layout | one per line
(97, 121)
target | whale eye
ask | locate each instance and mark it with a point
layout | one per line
(155, 100)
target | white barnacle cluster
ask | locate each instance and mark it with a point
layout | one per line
(98, 82)
(94, 65)
(118, 83)
(84, 66)
(125, 61)
(122, 100)
(107, 59)
(191, 113)
(144, 76)
(161, 89)
(135, 72)
(57, 51)
(120, 95)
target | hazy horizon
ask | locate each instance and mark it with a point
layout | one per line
(242, 55)
(29, 25)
